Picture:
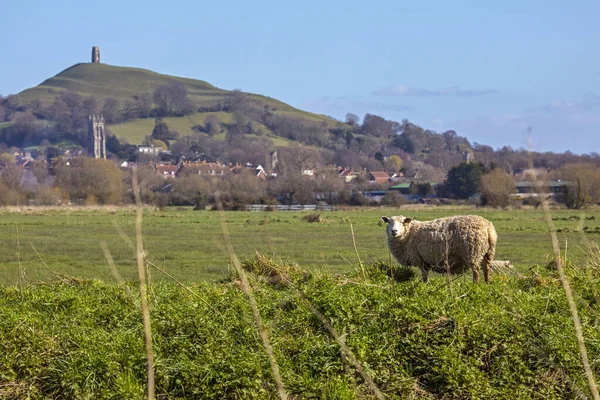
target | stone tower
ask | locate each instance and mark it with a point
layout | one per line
(96, 136)
(96, 55)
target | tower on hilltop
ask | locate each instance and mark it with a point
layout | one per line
(96, 55)
(96, 136)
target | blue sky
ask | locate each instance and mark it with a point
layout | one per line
(487, 71)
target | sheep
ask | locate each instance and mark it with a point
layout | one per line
(450, 244)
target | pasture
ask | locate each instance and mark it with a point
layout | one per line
(189, 244)
(81, 336)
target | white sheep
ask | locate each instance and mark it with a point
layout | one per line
(451, 244)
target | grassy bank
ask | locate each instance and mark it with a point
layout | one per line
(511, 339)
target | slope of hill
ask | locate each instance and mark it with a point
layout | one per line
(102, 81)
(136, 130)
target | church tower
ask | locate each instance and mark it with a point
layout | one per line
(96, 136)
(96, 55)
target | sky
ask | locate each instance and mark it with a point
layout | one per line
(491, 72)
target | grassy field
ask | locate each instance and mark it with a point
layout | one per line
(134, 131)
(70, 337)
(189, 244)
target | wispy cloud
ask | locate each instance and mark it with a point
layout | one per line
(405, 90)
(355, 104)
(557, 126)
(589, 103)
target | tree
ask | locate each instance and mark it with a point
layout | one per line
(374, 125)
(143, 105)
(110, 109)
(349, 138)
(162, 132)
(497, 186)
(393, 199)
(172, 99)
(236, 100)
(583, 184)
(295, 159)
(352, 119)
(212, 125)
(87, 178)
(425, 189)
(89, 105)
(12, 176)
(295, 189)
(393, 163)
(464, 179)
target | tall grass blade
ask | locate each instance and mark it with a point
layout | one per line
(143, 287)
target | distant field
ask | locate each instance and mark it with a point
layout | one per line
(189, 244)
(134, 131)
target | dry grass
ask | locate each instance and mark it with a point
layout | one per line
(143, 288)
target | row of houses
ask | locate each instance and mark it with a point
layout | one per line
(203, 168)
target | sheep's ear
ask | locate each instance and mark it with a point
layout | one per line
(385, 219)
(407, 220)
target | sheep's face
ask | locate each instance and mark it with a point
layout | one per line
(397, 226)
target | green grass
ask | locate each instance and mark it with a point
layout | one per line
(189, 244)
(134, 131)
(103, 80)
(511, 339)
(73, 338)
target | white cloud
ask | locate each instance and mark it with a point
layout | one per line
(354, 104)
(588, 104)
(405, 90)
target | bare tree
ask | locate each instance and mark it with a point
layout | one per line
(352, 119)
(172, 99)
(110, 109)
(583, 186)
(496, 188)
(236, 100)
(212, 125)
(12, 176)
(295, 159)
(88, 178)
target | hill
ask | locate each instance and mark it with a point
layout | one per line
(102, 81)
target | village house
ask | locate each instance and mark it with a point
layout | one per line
(167, 170)
(203, 168)
(149, 150)
(347, 174)
(378, 177)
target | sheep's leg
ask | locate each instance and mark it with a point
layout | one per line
(485, 265)
(424, 274)
(424, 269)
(487, 261)
(475, 268)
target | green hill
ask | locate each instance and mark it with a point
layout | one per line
(123, 83)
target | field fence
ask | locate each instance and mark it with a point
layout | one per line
(292, 207)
